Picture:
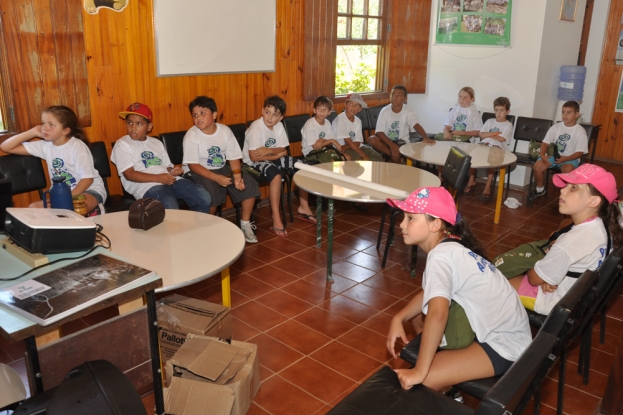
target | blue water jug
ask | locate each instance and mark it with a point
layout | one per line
(60, 195)
(571, 87)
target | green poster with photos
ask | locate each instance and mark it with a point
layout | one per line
(474, 22)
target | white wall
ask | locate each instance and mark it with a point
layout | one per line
(560, 45)
(526, 73)
(594, 51)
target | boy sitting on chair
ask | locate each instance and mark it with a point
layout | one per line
(394, 124)
(571, 142)
(348, 131)
(145, 168)
(264, 149)
(208, 146)
(319, 143)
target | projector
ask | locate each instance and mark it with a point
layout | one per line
(49, 231)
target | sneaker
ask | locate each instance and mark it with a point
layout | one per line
(99, 210)
(249, 235)
(539, 194)
(455, 394)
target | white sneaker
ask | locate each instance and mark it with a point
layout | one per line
(249, 235)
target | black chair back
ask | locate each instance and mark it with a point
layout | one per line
(25, 173)
(173, 144)
(517, 386)
(332, 115)
(239, 131)
(456, 169)
(529, 129)
(365, 122)
(6, 199)
(373, 116)
(294, 124)
(114, 203)
(488, 115)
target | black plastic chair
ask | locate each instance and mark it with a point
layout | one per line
(528, 129)
(365, 123)
(488, 115)
(25, 173)
(455, 174)
(382, 393)
(114, 203)
(373, 116)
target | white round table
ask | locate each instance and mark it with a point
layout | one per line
(389, 174)
(483, 157)
(184, 249)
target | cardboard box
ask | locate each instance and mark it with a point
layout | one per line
(231, 367)
(179, 316)
(190, 397)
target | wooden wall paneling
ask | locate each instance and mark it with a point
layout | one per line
(47, 70)
(62, 39)
(610, 145)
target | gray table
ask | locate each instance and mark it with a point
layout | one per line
(393, 175)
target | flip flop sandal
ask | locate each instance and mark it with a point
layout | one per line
(307, 218)
(484, 197)
(468, 189)
(279, 232)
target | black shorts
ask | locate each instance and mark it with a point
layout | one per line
(500, 365)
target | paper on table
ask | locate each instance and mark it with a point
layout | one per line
(400, 194)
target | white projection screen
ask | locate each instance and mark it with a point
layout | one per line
(195, 37)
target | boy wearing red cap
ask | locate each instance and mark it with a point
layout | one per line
(145, 168)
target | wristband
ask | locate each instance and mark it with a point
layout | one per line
(237, 171)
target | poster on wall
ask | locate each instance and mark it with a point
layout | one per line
(619, 104)
(619, 56)
(474, 22)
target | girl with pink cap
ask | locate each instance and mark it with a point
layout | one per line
(455, 271)
(587, 195)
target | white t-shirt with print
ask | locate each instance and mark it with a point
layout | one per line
(505, 128)
(344, 128)
(464, 119)
(491, 304)
(72, 160)
(259, 135)
(147, 156)
(569, 140)
(396, 126)
(312, 131)
(582, 248)
(210, 151)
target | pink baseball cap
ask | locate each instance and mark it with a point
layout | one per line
(138, 109)
(590, 174)
(434, 201)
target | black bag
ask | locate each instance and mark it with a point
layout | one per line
(145, 214)
(325, 155)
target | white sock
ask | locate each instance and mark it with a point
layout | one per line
(243, 223)
(539, 189)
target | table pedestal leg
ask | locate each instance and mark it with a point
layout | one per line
(498, 201)
(226, 287)
(155, 351)
(330, 240)
(318, 221)
(409, 162)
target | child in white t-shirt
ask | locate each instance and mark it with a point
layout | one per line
(264, 149)
(496, 132)
(394, 125)
(463, 122)
(571, 143)
(319, 143)
(348, 131)
(587, 195)
(64, 148)
(145, 168)
(208, 147)
(456, 269)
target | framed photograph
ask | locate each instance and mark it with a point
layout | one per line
(474, 22)
(567, 10)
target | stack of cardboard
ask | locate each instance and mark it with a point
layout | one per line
(179, 315)
(210, 376)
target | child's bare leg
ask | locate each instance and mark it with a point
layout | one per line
(91, 202)
(455, 366)
(439, 170)
(472, 179)
(539, 173)
(38, 204)
(380, 146)
(247, 209)
(274, 193)
(487, 191)
(213, 210)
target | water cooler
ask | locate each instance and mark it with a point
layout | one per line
(571, 86)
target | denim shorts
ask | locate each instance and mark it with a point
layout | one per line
(575, 163)
(96, 195)
(500, 365)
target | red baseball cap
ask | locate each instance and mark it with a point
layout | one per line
(138, 109)
(590, 173)
(434, 201)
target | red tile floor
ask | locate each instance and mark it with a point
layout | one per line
(318, 341)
